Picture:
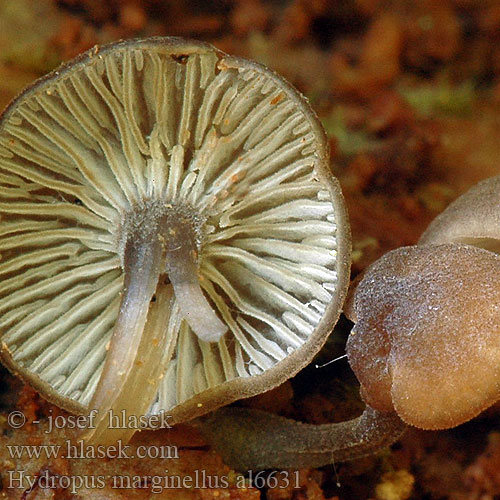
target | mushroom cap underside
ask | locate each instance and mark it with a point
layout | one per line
(175, 123)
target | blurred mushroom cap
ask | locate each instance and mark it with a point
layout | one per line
(473, 218)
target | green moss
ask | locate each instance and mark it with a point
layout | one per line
(25, 40)
(435, 196)
(441, 97)
(349, 141)
(359, 247)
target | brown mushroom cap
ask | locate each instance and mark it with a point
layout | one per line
(106, 155)
(426, 339)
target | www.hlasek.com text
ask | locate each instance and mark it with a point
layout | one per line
(81, 450)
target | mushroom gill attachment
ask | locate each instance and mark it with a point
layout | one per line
(426, 341)
(152, 235)
(172, 236)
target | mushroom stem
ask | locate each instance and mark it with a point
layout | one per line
(249, 439)
(156, 241)
(182, 271)
(142, 267)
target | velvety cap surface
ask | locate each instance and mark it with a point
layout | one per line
(427, 337)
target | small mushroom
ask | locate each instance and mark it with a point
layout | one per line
(426, 342)
(473, 218)
(172, 236)
(425, 347)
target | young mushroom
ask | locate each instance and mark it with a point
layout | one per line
(426, 342)
(425, 347)
(173, 237)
